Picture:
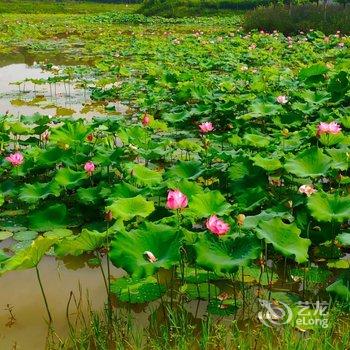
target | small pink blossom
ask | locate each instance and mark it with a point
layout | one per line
(307, 189)
(217, 226)
(89, 167)
(15, 159)
(206, 127)
(328, 128)
(145, 120)
(176, 200)
(150, 256)
(282, 99)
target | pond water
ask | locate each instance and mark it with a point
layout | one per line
(18, 97)
(20, 294)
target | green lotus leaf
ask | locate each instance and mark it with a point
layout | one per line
(25, 235)
(224, 308)
(314, 71)
(189, 188)
(226, 256)
(136, 291)
(186, 170)
(344, 239)
(5, 234)
(30, 256)
(143, 176)
(69, 178)
(255, 140)
(339, 264)
(340, 158)
(32, 193)
(86, 241)
(122, 190)
(253, 274)
(49, 218)
(269, 164)
(311, 162)
(240, 167)
(128, 249)
(209, 203)
(205, 291)
(58, 233)
(284, 238)
(2, 199)
(197, 275)
(329, 207)
(128, 208)
(70, 133)
(89, 195)
(341, 287)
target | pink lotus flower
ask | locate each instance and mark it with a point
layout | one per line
(145, 120)
(206, 127)
(328, 128)
(282, 99)
(15, 159)
(176, 200)
(307, 189)
(217, 226)
(150, 256)
(89, 167)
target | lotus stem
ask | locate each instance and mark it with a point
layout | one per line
(43, 294)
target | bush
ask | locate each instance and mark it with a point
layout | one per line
(187, 8)
(291, 20)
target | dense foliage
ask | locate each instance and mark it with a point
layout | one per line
(232, 161)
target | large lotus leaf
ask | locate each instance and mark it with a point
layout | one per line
(311, 162)
(144, 176)
(284, 238)
(128, 208)
(135, 291)
(86, 241)
(269, 164)
(340, 159)
(344, 239)
(58, 233)
(69, 178)
(341, 287)
(329, 207)
(89, 195)
(313, 73)
(49, 218)
(343, 263)
(186, 170)
(255, 140)
(5, 234)
(251, 222)
(189, 188)
(240, 167)
(70, 133)
(32, 193)
(226, 256)
(253, 274)
(209, 203)
(128, 249)
(30, 256)
(25, 235)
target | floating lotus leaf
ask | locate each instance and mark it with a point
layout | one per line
(128, 249)
(30, 256)
(329, 207)
(205, 291)
(128, 208)
(32, 193)
(340, 158)
(255, 140)
(5, 234)
(58, 233)
(49, 218)
(86, 241)
(25, 235)
(89, 195)
(226, 256)
(253, 274)
(136, 291)
(224, 308)
(284, 238)
(209, 203)
(311, 162)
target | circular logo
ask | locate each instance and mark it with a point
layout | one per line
(274, 314)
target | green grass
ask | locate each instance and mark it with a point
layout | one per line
(66, 7)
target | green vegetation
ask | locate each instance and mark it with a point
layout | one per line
(68, 7)
(329, 19)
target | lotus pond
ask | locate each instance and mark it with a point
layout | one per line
(165, 164)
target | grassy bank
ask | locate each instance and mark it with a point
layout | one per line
(69, 7)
